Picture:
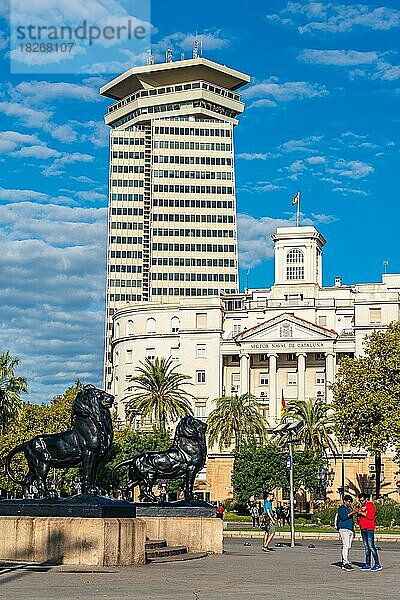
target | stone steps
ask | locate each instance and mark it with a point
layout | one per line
(158, 551)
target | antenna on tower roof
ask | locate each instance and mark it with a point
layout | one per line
(168, 55)
(201, 48)
(196, 47)
(150, 57)
(182, 56)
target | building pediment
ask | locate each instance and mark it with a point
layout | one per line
(286, 332)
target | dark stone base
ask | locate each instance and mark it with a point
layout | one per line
(180, 508)
(82, 505)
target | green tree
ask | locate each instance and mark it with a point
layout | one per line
(236, 418)
(11, 387)
(318, 425)
(367, 396)
(35, 419)
(158, 392)
(258, 469)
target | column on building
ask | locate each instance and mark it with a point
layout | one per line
(273, 406)
(244, 373)
(301, 375)
(330, 363)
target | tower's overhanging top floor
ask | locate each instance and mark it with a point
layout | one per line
(156, 75)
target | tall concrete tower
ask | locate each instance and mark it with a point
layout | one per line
(172, 210)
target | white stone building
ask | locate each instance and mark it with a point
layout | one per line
(284, 339)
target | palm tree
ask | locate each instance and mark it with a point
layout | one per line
(236, 417)
(11, 387)
(317, 431)
(158, 392)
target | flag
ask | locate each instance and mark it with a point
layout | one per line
(283, 405)
(296, 199)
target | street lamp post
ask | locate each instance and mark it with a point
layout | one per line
(290, 429)
(291, 484)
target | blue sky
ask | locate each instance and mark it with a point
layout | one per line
(321, 117)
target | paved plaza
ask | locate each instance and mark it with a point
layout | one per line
(301, 573)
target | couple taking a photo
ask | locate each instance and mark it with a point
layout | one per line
(366, 517)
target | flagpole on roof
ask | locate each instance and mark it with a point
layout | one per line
(298, 210)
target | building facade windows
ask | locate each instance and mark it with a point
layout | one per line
(151, 354)
(264, 379)
(174, 325)
(320, 378)
(200, 376)
(292, 378)
(375, 315)
(151, 326)
(201, 351)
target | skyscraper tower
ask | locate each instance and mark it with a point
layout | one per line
(172, 210)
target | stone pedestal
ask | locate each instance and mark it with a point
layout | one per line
(198, 534)
(73, 541)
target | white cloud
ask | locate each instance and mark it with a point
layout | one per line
(301, 145)
(312, 17)
(274, 91)
(55, 323)
(57, 167)
(12, 195)
(39, 152)
(349, 191)
(43, 92)
(338, 58)
(254, 155)
(316, 160)
(354, 169)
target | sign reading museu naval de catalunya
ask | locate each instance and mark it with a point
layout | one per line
(287, 345)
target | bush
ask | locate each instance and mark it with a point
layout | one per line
(325, 516)
(388, 513)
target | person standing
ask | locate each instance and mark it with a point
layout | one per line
(366, 516)
(255, 514)
(268, 522)
(220, 511)
(345, 525)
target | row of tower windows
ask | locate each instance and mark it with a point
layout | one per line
(131, 141)
(127, 211)
(194, 218)
(199, 131)
(124, 297)
(194, 262)
(193, 277)
(117, 239)
(190, 291)
(209, 146)
(193, 174)
(192, 160)
(193, 189)
(126, 225)
(193, 203)
(127, 197)
(128, 169)
(194, 247)
(125, 283)
(194, 233)
(125, 254)
(127, 182)
(130, 155)
(125, 269)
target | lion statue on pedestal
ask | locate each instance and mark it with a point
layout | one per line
(85, 443)
(186, 457)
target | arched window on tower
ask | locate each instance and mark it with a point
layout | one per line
(174, 325)
(295, 264)
(151, 325)
(130, 328)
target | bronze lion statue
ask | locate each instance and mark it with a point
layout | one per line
(85, 443)
(186, 457)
